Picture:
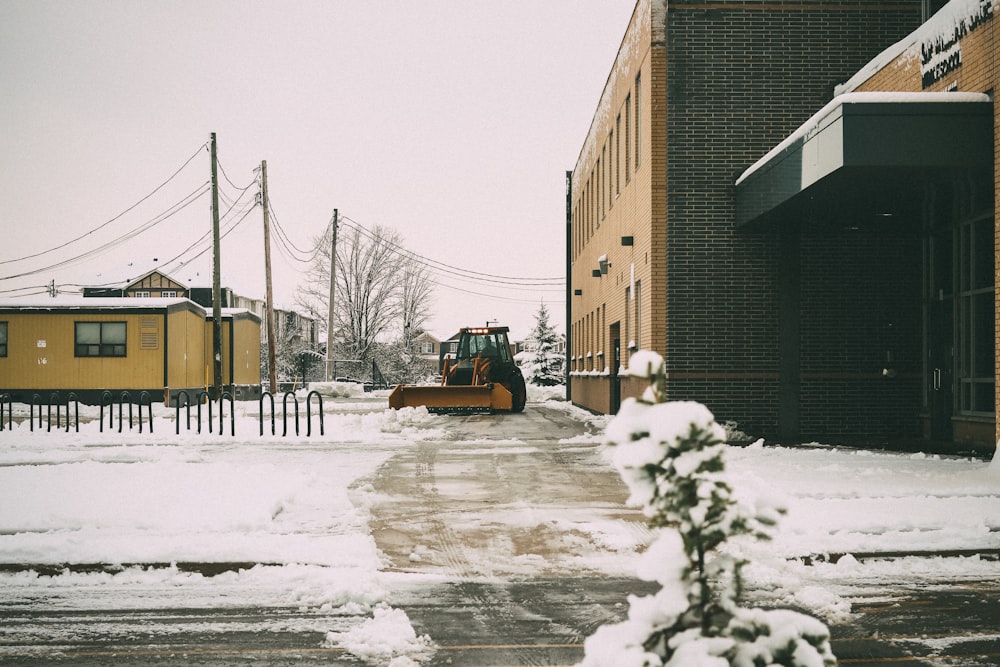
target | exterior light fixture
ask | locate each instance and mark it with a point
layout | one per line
(578, 292)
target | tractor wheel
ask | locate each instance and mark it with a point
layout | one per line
(519, 393)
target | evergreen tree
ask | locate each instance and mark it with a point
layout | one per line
(547, 364)
(670, 454)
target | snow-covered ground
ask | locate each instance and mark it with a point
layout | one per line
(297, 508)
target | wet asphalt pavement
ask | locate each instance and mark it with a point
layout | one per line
(480, 530)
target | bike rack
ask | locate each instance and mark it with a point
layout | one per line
(144, 397)
(107, 399)
(284, 413)
(121, 403)
(76, 411)
(54, 399)
(204, 395)
(6, 399)
(35, 398)
(309, 416)
(232, 414)
(177, 414)
(270, 397)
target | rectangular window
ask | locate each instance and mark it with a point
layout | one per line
(628, 320)
(3, 339)
(638, 315)
(638, 118)
(100, 339)
(168, 293)
(628, 138)
(142, 294)
(427, 348)
(618, 155)
(975, 315)
(600, 183)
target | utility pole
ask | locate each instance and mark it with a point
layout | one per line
(216, 281)
(272, 357)
(333, 290)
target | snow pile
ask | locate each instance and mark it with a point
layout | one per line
(338, 389)
(387, 638)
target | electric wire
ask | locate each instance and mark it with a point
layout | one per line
(135, 231)
(459, 274)
(105, 224)
(222, 218)
(226, 176)
(459, 271)
(292, 251)
(496, 296)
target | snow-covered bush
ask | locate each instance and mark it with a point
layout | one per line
(671, 457)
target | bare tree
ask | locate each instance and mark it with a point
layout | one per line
(416, 291)
(381, 290)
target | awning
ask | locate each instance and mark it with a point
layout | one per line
(867, 148)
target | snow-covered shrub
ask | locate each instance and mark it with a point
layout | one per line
(671, 457)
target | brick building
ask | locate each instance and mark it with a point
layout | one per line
(802, 283)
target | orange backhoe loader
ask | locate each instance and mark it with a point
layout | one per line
(482, 376)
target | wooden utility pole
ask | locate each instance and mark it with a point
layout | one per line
(272, 357)
(333, 290)
(216, 281)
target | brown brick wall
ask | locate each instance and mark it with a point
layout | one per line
(741, 77)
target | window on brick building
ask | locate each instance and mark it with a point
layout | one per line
(976, 350)
(618, 154)
(3, 339)
(638, 315)
(600, 183)
(628, 319)
(930, 8)
(638, 118)
(628, 138)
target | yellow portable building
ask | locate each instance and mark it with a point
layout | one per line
(91, 345)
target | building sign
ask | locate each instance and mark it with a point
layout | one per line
(942, 53)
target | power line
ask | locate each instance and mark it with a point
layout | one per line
(105, 224)
(495, 296)
(146, 226)
(204, 237)
(223, 170)
(456, 271)
(285, 242)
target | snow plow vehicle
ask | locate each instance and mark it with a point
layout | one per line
(482, 376)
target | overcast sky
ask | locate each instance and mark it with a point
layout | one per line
(451, 122)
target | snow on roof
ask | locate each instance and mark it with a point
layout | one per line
(807, 128)
(80, 302)
(950, 23)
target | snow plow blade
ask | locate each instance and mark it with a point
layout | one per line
(452, 397)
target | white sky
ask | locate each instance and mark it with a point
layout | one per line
(452, 122)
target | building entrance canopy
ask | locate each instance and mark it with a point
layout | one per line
(865, 156)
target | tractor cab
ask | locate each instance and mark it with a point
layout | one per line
(487, 343)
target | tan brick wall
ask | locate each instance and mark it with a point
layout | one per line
(599, 223)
